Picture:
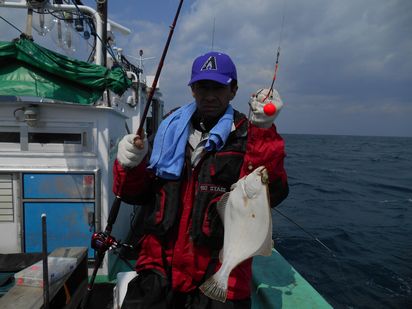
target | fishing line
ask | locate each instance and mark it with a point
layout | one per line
(307, 232)
(213, 32)
(332, 253)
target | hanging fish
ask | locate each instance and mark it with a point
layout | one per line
(247, 221)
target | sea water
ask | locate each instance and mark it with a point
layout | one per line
(355, 195)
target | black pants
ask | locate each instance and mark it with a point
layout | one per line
(150, 290)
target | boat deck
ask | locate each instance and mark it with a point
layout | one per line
(275, 284)
(67, 292)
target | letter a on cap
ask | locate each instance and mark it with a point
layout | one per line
(210, 64)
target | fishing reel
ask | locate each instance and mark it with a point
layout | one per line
(101, 242)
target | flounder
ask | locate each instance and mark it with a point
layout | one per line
(246, 216)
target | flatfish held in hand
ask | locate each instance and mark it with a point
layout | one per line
(247, 221)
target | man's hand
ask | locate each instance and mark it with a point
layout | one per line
(131, 150)
(265, 105)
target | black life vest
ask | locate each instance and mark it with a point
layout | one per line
(212, 176)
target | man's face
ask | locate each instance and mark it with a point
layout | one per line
(212, 98)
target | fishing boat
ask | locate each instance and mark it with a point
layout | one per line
(60, 121)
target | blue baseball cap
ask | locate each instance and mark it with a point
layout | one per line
(214, 66)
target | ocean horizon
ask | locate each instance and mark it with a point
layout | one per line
(283, 134)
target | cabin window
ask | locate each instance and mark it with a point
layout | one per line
(59, 140)
(55, 138)
(9, 137)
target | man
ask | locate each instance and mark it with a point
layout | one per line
(200, 150)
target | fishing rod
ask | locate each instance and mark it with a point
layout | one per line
(103, 241)
(159, 69)
(270, 109)
(307, 232)
(277, 55)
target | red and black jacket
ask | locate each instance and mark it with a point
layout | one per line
(181, 215)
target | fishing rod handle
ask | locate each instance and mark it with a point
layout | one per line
(97, 264)
(114, 211)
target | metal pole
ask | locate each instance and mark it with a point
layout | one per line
(45, 264)
(29, 23)
(102, 10)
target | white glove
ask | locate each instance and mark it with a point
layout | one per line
(128, 154)
(264, 107)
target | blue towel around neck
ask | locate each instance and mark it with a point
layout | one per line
(169, 146)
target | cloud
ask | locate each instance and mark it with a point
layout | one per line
(342, 59)
(337, 57)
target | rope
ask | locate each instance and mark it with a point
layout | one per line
(21, 32)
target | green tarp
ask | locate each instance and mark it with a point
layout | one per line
(27, 69)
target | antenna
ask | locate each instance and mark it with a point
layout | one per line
(213, 32)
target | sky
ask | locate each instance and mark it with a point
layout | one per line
(345, 67)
